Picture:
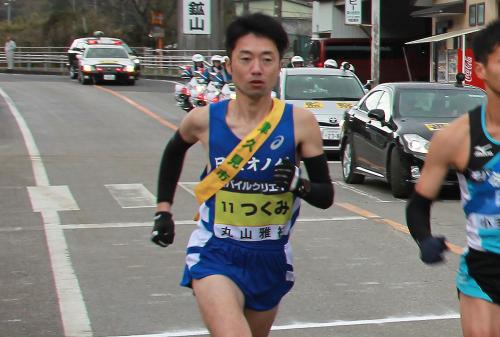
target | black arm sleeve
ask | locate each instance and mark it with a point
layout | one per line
(319, 190)
(418, 212)
(171, 167)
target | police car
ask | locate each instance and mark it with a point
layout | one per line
(104, 63)
(79, 45)
(326, 92)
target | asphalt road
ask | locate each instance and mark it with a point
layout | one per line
(78, 170)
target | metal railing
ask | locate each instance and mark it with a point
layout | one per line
(158, 62)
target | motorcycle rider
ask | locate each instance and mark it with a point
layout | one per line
(297, 61)
(214, 72)
(331, 63)
(198, 65)
(226, 76)
(347, 66)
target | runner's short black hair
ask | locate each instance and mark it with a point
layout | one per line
(260, 25)
(485, 41)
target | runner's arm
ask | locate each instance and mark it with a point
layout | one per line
(438, 160)
(318, 190)
(192, 129)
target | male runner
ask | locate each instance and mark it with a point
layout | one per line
(239, 261)
(469, 144)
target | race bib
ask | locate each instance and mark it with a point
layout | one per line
(252, 209)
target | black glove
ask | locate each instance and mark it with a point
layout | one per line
(432, 248)
(163, 230)
(287, 176)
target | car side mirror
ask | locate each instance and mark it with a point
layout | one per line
(377, 114)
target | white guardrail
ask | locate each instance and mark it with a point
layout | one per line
(159, 62)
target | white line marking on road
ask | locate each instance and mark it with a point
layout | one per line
(363, 193)
(188, 222)
(132, 195)
(185, 185)
(295, 326)
(55, 198)
(74, 316)
(39, 172)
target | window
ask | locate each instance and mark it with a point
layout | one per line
(480, 14)
(385, 104)
(371, 101)
(472, 15)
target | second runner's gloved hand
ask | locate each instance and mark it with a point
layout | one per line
(432, 248)
(287, 175)
(163, 229)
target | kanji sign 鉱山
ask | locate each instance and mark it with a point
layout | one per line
(196, 17)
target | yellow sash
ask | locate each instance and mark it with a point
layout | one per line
(240, 155)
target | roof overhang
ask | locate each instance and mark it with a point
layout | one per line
(450, 8)
(449, 35)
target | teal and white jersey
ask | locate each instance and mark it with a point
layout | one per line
(480, 186)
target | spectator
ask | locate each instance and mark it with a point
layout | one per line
(10, 47)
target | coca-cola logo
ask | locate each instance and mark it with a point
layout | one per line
(468, 69)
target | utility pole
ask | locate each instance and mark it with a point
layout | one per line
(278, 4)
(375, 43)
(8, 3)
(246, 7)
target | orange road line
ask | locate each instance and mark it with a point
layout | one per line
(394, 224)
(141, 108)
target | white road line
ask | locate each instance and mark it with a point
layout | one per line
(74, 314)
(363, 193)
(39, 172)
(132, 195)
(295, 326)
(188, 222)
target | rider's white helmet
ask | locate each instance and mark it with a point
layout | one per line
(225, 59)
(330, 63)
(216, 58)
(198, 58)
(297, 59)
(347, 66)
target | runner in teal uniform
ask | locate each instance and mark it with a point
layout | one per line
(470, 144)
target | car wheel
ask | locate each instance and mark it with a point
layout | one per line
(399, 173)
(82, 79)
(348, 166)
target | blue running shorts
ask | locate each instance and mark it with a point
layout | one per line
(264, 273)
(479, 275)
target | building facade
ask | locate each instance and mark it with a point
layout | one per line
(454, 24)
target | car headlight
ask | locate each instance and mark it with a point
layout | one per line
(416, 143)
(87, 67)
(129, 69)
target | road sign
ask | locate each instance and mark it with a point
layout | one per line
(196, 17)
(352, 12)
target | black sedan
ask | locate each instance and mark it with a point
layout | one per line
(386, 135)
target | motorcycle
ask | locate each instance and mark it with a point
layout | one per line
(191, 94)
(218, 90)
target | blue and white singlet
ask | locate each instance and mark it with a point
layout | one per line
(250, 209)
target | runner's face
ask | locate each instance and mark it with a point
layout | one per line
(254, 65)
(490, 72)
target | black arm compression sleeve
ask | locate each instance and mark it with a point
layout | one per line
(318, 190)
(418, 212)
(171, 167)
